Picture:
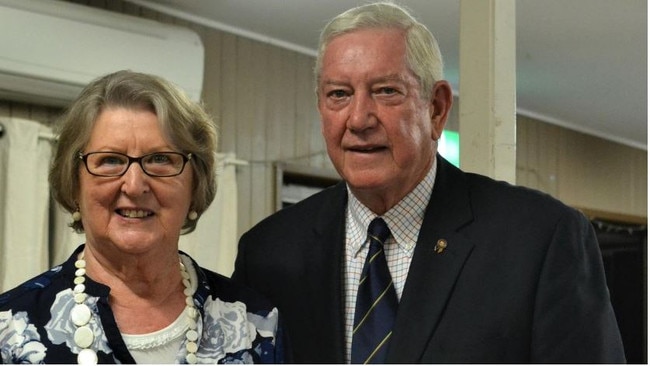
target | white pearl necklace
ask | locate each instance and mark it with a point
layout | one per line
(81, 316)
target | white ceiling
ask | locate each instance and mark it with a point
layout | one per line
(581, 64)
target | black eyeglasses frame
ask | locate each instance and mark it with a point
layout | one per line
(84, 157)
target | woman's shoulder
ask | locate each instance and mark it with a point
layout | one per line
(36, 290)
(29, 291)
(251, 325)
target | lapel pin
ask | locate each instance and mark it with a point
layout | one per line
(440, 246)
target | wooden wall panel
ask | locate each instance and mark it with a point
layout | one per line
(280, 88)
(303, 125)
(228, 74)
(244, 106)
(537, 155)
(309, 144)
(581, 170)
(212, 81)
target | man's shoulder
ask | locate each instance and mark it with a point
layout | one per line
(483, 188)
(487, 193)
(228, 290)
(485, 185)
(326, 202)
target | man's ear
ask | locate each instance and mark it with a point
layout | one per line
(441, 102)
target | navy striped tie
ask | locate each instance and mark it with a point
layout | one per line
(376, 301)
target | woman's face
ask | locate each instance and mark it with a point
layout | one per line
(133, 213)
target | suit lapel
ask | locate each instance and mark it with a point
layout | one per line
(432, 275)
(324, 257)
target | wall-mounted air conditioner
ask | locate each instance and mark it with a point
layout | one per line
(50, 49)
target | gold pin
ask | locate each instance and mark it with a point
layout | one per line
(440, 246)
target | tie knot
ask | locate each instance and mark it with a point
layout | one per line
(378, 230)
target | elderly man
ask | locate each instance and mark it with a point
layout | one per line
(411, 260)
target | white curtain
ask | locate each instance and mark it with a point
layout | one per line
(25, 148)
(214, 242)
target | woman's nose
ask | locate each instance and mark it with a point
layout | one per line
(135, 181)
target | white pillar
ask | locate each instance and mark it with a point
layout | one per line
(487, 88)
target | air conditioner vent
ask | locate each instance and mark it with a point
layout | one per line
(52, 49)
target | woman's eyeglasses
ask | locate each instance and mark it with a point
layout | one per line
(113, 164)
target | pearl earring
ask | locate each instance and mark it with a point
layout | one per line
(76, 216)
(193, 215)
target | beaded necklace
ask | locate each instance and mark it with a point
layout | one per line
(81, 316)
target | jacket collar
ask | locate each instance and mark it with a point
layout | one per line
(433, 271)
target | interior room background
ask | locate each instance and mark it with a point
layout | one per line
(262, 97)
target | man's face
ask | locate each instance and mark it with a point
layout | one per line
(377, 127)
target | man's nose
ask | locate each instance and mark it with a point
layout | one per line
(363, 112)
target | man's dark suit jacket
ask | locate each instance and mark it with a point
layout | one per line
(521, 279)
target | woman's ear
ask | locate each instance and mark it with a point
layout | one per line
(441, 102)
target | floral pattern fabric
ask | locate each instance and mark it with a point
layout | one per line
(236, 324)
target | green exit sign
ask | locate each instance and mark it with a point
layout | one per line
(449, 147)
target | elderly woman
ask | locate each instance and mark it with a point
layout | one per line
(135, 166)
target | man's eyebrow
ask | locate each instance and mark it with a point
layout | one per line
(394, 77)
(333, 82)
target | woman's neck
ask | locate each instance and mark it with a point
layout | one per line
(140, 284)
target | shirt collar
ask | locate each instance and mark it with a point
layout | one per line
(404, 219)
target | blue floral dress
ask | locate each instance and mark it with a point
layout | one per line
(236, 324)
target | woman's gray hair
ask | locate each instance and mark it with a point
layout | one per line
(422, 51)
(184, 123)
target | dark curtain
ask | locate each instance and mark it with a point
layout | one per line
(624, 250)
